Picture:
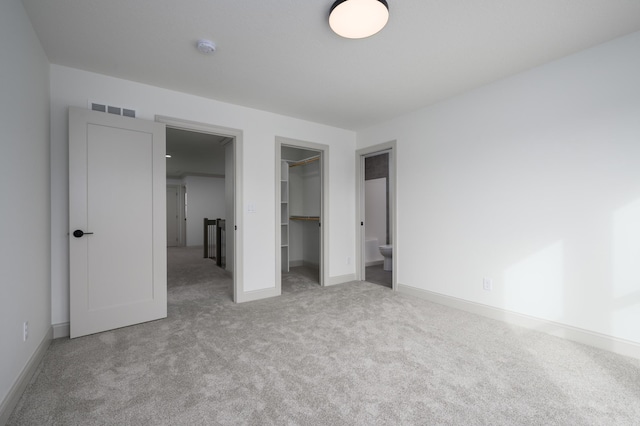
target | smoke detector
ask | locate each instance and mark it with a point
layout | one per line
(205, 46)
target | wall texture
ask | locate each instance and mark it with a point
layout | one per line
(533, 181)
(24, 184)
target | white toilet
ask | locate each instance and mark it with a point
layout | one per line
(386, 251)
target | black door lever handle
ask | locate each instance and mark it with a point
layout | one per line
(79, 233)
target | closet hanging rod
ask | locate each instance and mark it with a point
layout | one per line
(305, 161)
(304, 218)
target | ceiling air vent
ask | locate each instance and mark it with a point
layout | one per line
(125, 112)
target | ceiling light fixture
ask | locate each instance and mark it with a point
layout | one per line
(206, 46)
(358, 18)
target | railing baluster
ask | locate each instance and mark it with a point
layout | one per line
(210, 237)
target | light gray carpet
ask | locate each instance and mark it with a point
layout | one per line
(353, 354)
(300, 278)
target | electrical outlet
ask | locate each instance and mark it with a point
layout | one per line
(348, 260)
(25, 331)
(487, 284)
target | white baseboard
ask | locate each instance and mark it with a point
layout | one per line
(374, 263)
(250, 296)
(295, 263)
(11, 400)
(591, 338)
(340, 279)
(61, 330)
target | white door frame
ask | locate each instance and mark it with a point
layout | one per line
(239, 295)
(390, 147)
(324, 208)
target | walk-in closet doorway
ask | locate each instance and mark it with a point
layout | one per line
(301, 214)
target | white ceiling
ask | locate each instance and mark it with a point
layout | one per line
(194, 153)
(281, 56)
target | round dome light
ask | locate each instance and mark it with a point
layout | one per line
(358, 18)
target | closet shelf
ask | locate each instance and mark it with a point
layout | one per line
(304, 217)
(305, 161)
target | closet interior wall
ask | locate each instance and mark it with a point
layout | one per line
(304, 205)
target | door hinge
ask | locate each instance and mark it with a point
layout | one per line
(361, 223)
(235, 227)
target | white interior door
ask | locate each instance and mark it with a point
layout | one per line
(173, 213)
(117, 198)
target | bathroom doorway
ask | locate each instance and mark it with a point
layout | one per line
(377, 248)
(301, 179)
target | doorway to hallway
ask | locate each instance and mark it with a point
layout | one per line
(203, 160)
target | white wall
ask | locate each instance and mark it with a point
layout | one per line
(310, 243)
(74, 87)
(375, 220)
(304, 243)
(205, 198)
(24, 185)
(533, 181)
(304, 189)
(181, 222)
